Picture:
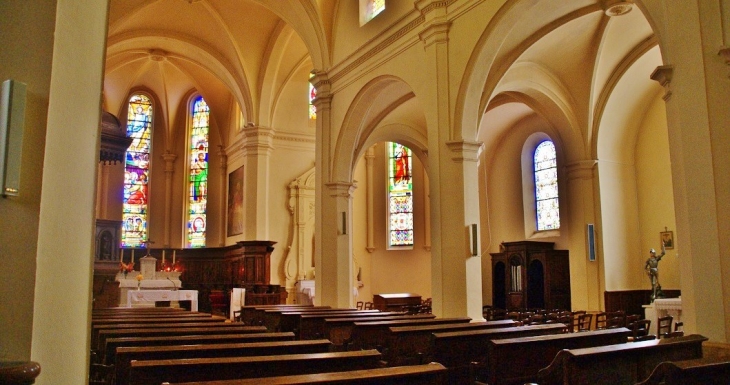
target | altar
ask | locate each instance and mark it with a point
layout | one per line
(152, 296)
(147, 279)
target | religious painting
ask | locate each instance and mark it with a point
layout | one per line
(235, 202)
(667, 238)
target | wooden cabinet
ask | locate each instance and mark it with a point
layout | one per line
(256, 265)
(530, 275)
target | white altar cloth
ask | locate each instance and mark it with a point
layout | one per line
(305, 292)
(163, 295)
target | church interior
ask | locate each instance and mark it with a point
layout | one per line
(372, 146)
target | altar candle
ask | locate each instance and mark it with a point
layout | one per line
(173, 257)
(121, 256)
(132, 255)
(163, 256)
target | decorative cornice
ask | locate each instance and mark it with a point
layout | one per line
(663, 75)
(378, 48)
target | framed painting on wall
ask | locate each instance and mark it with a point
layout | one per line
(667, 238)
(235, 202)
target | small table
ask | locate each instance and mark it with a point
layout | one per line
(163, 295)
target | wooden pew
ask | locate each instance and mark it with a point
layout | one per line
(517, 360)
(252, 315)
(373, 334)
(112, 344)
(690, 372)
(153, 372)
(273, 318)
(311, 326)
(338, 330)
(458, 349)
(140, 320)
(409, 345)
(623, 364)
(125, 355)
(95, 329)
(428, 374)
(159, 332)
(150, 315)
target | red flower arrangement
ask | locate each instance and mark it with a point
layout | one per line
(126, 268)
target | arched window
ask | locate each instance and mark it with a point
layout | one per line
(546, 187)
(400, 195)
(369, 9)
(136, 172)
(312, 95)
(198, 183)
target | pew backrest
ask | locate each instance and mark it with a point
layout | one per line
(373, 334)
(618, 364)
(690, 372)
(155, 372)
(125, 355)
(428, 374)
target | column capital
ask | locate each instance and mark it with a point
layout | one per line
(341, 189)
(663, 75)
(259, 139)
(724, 52)
(582, 169)
(465, 150)
(169, 159)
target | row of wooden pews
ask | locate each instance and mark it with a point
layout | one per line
(291, 344)
(146, 346)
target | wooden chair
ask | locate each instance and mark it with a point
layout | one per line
(101, 374)
(601, 320)
(218, 302)
(360, 305)
(368, 306)
(584, 322)
(574, 319)
(616, 319)
(664, 326)
(640, 330)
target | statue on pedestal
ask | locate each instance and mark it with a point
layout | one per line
(652, 269)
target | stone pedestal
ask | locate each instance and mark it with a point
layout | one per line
(650, 314)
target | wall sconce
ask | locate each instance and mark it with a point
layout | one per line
(12, 117)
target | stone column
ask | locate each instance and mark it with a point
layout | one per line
(257, 151)
(369, 186)
(335, 272)
(586, 285)
(223, 201)
(169, 159)
(695, 76)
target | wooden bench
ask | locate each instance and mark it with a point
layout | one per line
(409, 345)
(338, 330)
(214, 328)
(311, 326)
(154, 372)
(458, 349)
(273, 318)
(428, 374)
(168, 315)
(112, 344)
(140, 320)
(517, 360)
(690, 372)
(125, 355)
(373, 334)
(253, 315)
(95, 329)
(623, 364)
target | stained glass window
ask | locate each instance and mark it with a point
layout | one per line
(546, 187)
(312, 95)
(369, 9)
(136, 172)
(198, 186)
(400, 195)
